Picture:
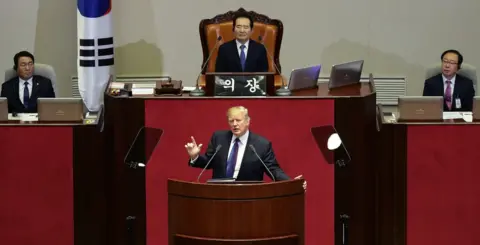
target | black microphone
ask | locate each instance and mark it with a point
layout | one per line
(208, 163)
(256, 154)
(198, 91)
(283, 91)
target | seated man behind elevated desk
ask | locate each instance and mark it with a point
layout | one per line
(23, 90)
(457, 90)
(242, 54)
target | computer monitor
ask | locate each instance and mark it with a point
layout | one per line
(60, 109)
(3, 109)
(345, 74)
(420, 108)
(475, 108)
(304, 78)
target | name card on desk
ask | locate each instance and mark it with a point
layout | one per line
(240, 85)
(25, 117)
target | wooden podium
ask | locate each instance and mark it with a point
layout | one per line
(237, 213)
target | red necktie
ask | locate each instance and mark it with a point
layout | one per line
(448, 95)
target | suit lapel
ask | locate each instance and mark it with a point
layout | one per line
(250, 54)
(457, 90)
(236, 55)
(440, 86)
(248, 152)
(224, 152)
(35, 88)
(16, 92)
(16, 88)
(248, 156)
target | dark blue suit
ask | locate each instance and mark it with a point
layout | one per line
(228, 59)
(251, 168)
(41, 88)
(463, 90)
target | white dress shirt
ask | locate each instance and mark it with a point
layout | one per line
(452, 85)
(21, 84)
(241, 151)
(244, 50)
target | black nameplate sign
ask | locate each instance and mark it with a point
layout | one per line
(240, 85)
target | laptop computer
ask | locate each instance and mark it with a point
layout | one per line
(476, 108)
(345, 74)
(3, 109)
(420, 108)
(60, 109)
(304, 78)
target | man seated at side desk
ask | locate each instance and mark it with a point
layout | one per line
(457, 90)
(23, 90)
(242, 54)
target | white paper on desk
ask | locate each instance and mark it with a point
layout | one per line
(28, 117)
(188, 89)
(23, 117)
(452, 115)
(11, 117)
(142, 91)
(468, 116)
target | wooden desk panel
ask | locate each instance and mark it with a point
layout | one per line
(52, 184)
(354, 118)
(428, 185)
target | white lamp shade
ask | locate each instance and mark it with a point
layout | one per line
(334, 141)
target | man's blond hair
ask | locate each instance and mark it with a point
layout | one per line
(236, 109)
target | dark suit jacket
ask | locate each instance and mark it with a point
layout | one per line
(228, 59)
(463, 90)
(252, 168)
(41, 88)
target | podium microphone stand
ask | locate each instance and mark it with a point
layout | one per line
(136, 160)
(334, 152)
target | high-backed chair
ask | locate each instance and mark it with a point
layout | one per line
(43, 70)
(467, 71)
(271, 31)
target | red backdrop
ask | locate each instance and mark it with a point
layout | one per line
(443, 187)
(286, 122)
(36, 185)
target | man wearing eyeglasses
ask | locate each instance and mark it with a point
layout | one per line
(23, 90)
(457, 90)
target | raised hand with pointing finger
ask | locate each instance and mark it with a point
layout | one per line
(193, 149)
(245, 155)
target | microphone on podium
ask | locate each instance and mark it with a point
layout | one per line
(199, 91)
(209, 161)
(283, 91)
(259, 158)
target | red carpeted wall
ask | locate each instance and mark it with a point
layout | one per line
(36, 185)
(443, 186)
(286, 122)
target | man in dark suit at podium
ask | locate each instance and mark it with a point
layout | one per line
(242, 54)
(23, 90)
(236, 148)
(457, 90)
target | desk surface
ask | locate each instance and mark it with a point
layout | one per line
(428, 183)
(31, 119)
(52, 182)
(449, 118)
(356, 90)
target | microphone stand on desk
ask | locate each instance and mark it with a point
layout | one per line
(344, 221)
